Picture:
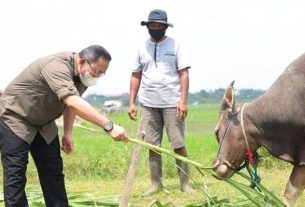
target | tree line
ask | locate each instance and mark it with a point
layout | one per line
(197, 98)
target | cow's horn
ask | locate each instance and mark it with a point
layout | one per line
(232, 83)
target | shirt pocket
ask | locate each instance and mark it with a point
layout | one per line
(169, 59)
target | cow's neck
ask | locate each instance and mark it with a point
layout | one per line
(258, 120)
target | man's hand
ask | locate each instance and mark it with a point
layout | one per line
(67, 144)
(181, 111)
(118, 133)
(132, 112)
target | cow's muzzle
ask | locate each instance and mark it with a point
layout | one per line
(223, 169)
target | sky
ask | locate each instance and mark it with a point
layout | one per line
(249, 41)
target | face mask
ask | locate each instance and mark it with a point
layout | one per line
(156, 34)
(87, 80)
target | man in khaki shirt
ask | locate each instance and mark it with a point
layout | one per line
(48, 88)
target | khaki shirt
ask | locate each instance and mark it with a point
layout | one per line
(34, 99)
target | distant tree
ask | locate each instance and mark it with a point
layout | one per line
(215, 96)
(201, 97)
(248, 94)
(98, 100)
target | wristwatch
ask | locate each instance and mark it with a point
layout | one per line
(108, 126)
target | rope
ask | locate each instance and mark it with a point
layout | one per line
(250, 158)
(248, 153)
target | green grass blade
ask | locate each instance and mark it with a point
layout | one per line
(269, 195)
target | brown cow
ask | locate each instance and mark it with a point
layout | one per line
(276, 120)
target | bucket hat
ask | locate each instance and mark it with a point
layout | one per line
(158, 16)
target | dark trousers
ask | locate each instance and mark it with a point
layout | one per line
(14, 157)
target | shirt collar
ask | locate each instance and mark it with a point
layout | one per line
(158, 43)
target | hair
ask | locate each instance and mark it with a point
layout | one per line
(94, 52)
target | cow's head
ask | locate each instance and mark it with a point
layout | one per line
(232, 149)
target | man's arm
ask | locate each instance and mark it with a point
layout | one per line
(182, 106)
(67, 141)
(84, 110)
(69, 117)
(135, 82)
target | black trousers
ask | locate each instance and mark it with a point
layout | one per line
(14, 157)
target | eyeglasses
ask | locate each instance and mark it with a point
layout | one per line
(95, 71)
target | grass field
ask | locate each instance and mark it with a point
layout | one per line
(99, 165)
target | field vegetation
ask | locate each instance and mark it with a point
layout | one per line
(98, 165)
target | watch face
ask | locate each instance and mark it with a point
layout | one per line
(108, 126)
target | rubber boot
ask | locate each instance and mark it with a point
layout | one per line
(183, 173)
(155, 164)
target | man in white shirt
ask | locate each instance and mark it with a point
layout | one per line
(161, 74)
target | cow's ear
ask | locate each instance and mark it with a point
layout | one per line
(229, 97)
(228, 100)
